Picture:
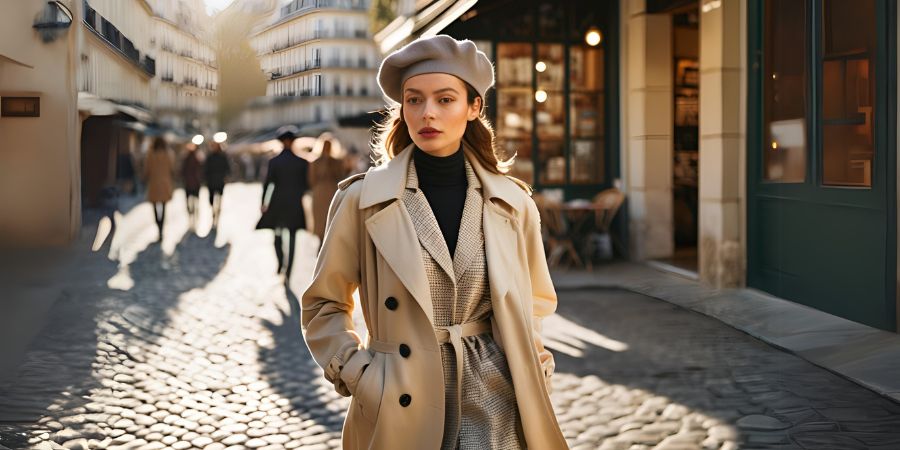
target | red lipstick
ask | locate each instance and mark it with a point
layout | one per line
(429, 132)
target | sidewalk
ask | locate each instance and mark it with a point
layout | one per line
(862, 354)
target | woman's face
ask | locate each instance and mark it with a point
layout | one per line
(436, 111)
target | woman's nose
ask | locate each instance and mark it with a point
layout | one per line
(428, 110)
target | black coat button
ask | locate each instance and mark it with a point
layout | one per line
(405, 400)
(404, 350)
(391, 303)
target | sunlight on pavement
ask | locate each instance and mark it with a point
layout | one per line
(568, 337)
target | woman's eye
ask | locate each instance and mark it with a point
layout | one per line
(412, 100)
(446, 100)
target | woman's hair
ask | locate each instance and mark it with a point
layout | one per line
(159, 144)
(327, 141)
(392, 136)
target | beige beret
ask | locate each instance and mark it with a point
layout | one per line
(437, 54)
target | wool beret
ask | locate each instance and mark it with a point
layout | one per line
(436, 54)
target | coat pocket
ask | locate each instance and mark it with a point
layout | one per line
(370, 388)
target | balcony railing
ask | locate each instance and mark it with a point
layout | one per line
(298, 6)
(310, 65)
(330, 34)
(110, 34)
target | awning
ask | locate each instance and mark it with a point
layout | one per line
(426, 21)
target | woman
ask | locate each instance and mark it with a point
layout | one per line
(454, 357)
(324, 174)
(158, 172)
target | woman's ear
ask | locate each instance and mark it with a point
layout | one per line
(475, 109)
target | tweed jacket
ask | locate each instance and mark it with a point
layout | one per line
(396, 377)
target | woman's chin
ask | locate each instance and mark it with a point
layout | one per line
(432, 147)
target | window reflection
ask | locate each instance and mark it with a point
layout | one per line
(514, 102)
(784, 150)
(848, 52)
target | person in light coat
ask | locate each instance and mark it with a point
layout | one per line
(159, 168)
(446, 253)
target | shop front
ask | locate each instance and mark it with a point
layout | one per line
(555, 105)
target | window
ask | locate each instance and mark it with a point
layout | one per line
(514, 106)
(784, 123)
(845, 86)
(848, 90)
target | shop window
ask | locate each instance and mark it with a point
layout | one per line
(785, 43)
(586, 101)
(551, 114)
(848, 90)
(514, 103)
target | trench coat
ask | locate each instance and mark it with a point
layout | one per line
(324, 175)
(370, 244)
(158, 173)
(287, 173)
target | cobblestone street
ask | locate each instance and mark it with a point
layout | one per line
(194, 343)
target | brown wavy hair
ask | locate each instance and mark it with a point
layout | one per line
(392, 136)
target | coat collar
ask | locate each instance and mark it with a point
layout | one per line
(387, 181)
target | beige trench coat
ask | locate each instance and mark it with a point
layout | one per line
(158, 172)
(370, 243)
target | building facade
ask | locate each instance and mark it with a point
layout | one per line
(147, 68)
(39, 168)
(187, 82)
(755, 141)
(83, 90)
(320, 64)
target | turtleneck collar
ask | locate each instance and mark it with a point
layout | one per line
(440, 170)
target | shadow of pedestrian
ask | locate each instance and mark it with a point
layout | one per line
(292, 372)
(89, 360)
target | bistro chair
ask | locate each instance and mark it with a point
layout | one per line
(606, 205)
(557, 241)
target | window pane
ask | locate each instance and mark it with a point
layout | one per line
(848, 87)
(785, 78)
(586, 115)
(514, 103)
(553, 162)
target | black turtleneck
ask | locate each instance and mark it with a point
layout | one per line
(443, 181)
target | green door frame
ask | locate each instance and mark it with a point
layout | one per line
(882, 196)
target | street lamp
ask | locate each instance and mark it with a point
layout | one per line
(198, 139)
(220, 137)
(53, 20)
(593, 37)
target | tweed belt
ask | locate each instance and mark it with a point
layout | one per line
(453, 335)
(446, 335)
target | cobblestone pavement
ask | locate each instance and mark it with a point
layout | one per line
(195, 344)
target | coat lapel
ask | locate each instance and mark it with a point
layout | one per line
(392, 230)
(425, 223)
(470, 242)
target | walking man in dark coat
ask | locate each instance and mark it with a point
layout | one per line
(282, 205)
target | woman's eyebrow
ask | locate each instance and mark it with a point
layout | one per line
(446, 89)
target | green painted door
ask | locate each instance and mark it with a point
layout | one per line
(821, 155)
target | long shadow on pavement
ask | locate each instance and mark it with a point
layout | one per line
(710, 368)
(291, 370)
(92, 334)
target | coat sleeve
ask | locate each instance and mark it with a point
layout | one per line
(543, 294)
(327, 304)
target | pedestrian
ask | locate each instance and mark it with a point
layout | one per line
(217, 171)
(191, 169)
(158, 173)
(324, 175)
(447, 255)
(282, 206)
